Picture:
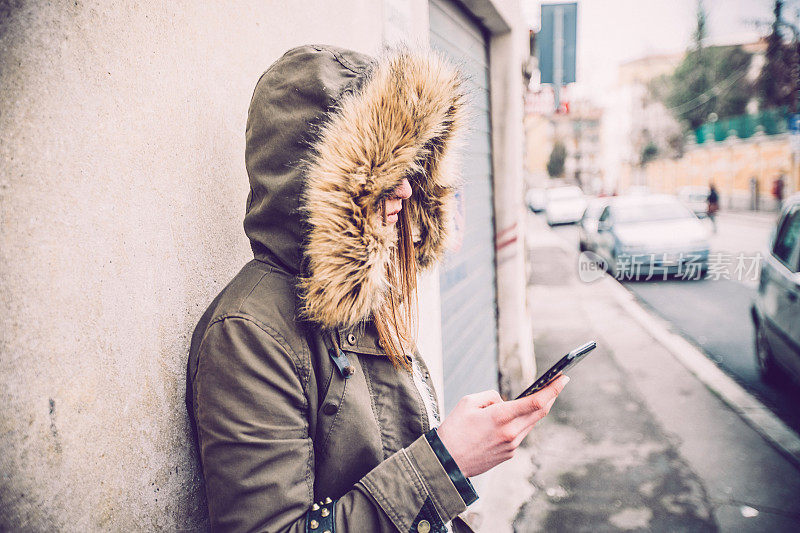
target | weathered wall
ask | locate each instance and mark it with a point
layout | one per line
(508, 52)
(122, 191)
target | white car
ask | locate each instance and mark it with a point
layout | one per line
(536, 199)
(565, 205)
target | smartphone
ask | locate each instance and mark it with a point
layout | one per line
(563, 364)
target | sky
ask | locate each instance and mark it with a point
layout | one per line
(611, 32)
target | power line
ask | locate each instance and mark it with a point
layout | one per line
(716, 90)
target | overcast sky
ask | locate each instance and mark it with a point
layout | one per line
(611, 32)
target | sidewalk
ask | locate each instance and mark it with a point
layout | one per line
(635, 442)
(759, 217)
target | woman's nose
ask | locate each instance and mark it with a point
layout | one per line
(403, 191)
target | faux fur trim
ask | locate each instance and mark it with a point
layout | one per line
(401, 123)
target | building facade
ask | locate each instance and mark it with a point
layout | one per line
(123, 190)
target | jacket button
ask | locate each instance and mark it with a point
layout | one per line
(351, 338)
(424, 526)
(330, 408)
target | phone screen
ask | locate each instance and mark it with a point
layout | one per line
(563, 364)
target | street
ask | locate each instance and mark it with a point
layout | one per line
(636, 441)
(715, 313)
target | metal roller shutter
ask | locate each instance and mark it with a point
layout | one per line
(467, 279)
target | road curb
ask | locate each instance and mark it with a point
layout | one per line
(744, 404)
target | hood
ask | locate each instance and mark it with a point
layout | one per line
(330, 134)
(662, 233)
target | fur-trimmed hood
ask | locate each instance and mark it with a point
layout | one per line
(331, 133)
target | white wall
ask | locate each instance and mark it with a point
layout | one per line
(508, 52)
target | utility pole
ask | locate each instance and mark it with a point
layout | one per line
(558, 54)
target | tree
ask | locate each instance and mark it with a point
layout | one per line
(555, 165)
(649, 152)
(732, 63)
(692, 79)
(776, 83)
(708, 80)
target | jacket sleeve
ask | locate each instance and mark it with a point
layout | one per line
(251, 411)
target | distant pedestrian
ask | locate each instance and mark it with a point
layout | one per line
(777, 191)
(713, 205)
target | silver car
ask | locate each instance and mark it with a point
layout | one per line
(536, 199)
(776, 309)
(653, 236)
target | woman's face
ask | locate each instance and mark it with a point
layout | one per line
(395, 202)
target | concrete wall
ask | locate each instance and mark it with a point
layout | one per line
(508, 52)
(122, 191)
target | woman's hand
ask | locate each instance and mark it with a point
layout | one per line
(483, 431)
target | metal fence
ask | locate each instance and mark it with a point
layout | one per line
(770, 122)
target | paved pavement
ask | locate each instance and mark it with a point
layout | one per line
(636, 442)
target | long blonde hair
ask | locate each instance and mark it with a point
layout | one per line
(396, 322)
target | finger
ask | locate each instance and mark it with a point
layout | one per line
(523, 424)
(483, 399)
(535, 401)
(529, 422)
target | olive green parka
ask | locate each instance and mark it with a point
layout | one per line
(301, 421)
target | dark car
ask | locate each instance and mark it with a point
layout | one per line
(776, 309)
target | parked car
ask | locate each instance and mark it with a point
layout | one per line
(536, 199)
(565, 205)
(695, 198)
(652, 235)
(637, 190)
(776, 307)
(587, 226)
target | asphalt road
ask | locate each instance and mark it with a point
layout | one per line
(715, 313)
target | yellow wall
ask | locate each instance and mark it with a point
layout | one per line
(538, 143)
(730, 165)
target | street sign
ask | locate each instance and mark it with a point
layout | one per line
(794, 123)
(556, 43)
(794, 132)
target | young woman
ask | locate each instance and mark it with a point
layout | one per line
(312, 408)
